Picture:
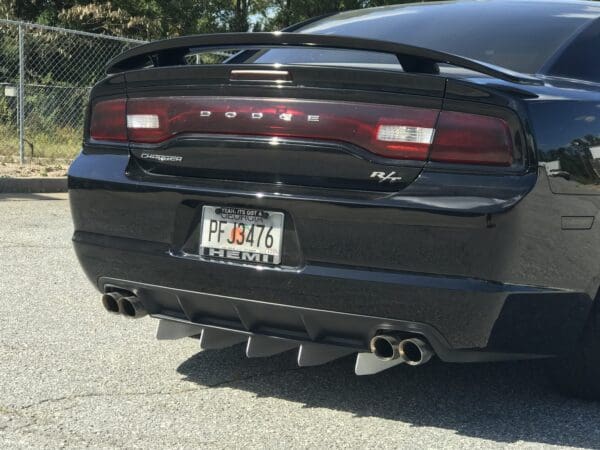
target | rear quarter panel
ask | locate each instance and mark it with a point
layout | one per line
(565, 120)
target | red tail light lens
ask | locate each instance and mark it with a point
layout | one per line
(107, 121)
(472, 139)
(397, 132)
(391, 131)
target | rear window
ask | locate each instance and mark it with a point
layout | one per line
(581, 60)
(520, 36)
(308, 56)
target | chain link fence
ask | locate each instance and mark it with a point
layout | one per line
(45, 77)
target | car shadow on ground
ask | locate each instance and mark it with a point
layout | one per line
(502, 402)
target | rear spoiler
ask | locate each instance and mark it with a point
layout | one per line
(172, 52)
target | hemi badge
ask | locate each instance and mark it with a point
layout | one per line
(277, 76)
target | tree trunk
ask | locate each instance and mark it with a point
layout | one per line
(240, 19)
(287, 19)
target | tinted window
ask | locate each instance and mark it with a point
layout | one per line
(307, 56)
(519, 35)
(581, 60)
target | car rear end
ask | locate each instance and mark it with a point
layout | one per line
(315, 207)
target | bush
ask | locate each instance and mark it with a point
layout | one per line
(58, 143)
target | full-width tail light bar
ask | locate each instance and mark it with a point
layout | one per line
(391, 131)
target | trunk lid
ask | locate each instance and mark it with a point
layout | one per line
(326, 127)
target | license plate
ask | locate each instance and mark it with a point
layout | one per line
(245, 235)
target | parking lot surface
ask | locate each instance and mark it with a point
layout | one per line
(73, 375)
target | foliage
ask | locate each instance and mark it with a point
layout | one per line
(155, 19)
(288, 12)
(59, 144)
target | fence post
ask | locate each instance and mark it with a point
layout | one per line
(21, 100)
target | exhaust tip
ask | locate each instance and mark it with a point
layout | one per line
(415, 352)
(384, 347)
(131, 307)
(110, 301)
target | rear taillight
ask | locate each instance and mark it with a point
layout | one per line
(107, 121)
(391, 131)
(472, 139)
(397, 132)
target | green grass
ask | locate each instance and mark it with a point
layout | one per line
(59, 143)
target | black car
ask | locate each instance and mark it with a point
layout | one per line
(398, 183)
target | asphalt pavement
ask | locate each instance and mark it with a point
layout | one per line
(72, 375)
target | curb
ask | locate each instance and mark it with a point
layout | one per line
(33, 185)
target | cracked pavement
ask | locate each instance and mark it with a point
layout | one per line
(73, 376)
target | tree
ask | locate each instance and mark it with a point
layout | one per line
(156, 19)
(289, 12)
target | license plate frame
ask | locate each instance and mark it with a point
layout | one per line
(241, 234)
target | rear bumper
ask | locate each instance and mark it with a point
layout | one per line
(481, 277)
(463, 319)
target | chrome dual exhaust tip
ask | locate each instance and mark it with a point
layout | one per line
(128, 306)
(132, 307)
(413, 351)
(385, 347)
(110, 301)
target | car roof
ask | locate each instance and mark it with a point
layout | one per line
(501, 10)
(522, 35)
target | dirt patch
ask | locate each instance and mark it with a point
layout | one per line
(34, 168)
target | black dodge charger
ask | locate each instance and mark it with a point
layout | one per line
(399, 183)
